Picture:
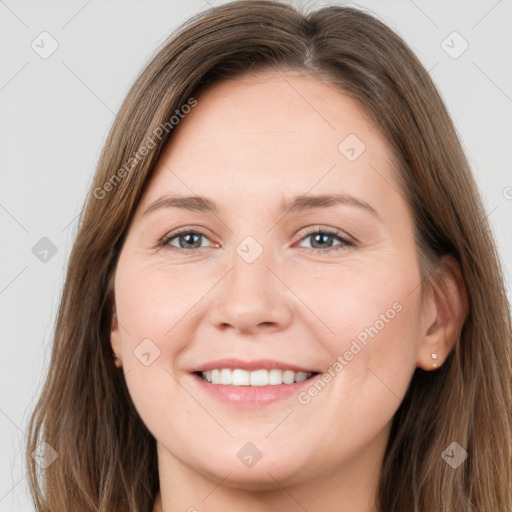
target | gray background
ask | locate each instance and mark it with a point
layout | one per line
(55, 113)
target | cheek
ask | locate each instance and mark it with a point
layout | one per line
(372, 359)
(159, 308)
(362, 300)
(153, 302)
(372, 311)
(150, 305)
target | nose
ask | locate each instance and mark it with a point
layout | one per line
(251, 298)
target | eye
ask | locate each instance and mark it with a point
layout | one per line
(184, 240)
(323, 239)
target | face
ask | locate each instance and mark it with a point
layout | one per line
(298, 263)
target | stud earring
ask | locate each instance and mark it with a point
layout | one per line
(434, 356)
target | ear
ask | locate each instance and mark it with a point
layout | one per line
(115, 338)
(443, 314)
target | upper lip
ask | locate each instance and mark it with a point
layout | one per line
(256, 364)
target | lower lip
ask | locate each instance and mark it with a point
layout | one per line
(253, 396)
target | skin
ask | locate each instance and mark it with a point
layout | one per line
(250, 143)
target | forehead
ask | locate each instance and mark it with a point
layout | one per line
(275, 132)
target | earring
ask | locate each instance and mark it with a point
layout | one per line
(434, 356)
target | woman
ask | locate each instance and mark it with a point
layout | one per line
(286, 254)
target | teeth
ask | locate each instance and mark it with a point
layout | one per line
(258, 378)
(274, 376)
(238, 377)
(288, 377)
(225, 377)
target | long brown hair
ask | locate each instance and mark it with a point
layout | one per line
(106, 457)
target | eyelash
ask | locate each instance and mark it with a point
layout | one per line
(345, 242)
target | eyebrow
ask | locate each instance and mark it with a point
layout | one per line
(298, 203)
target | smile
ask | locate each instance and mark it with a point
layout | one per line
(261, 377)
